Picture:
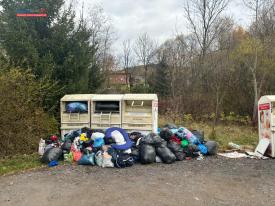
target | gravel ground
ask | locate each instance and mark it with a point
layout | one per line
(213, 181)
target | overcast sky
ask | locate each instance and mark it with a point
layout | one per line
(159, 18)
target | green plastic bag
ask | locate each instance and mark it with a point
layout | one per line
(69, 157)
(184, 143)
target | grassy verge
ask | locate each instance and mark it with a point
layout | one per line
(239, 134)
(19, 163)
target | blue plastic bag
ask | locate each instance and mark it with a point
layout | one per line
(98, 142)
(185, 133)
(88, 159)
(75, 107)
(53, 163)
(203, 149)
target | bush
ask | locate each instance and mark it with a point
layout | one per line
(141, 88)
(22, 121)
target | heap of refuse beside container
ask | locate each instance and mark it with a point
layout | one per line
(114, 147)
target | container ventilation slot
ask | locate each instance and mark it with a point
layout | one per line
(107, 107)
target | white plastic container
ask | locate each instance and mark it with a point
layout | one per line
(73, 121)
(106, 111)
(140, 112)
(266, 121)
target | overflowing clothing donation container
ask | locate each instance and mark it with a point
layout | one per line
(140, 112)
(106, 111)
(75, 112)
(266, 121)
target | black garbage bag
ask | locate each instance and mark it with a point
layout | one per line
(180, 155)
(158, 159)
(199, 135)
(212, 147)
(72, 135)
(121, 159)
(67, 145)
(166, 134)
(147, 154)
(124, 160)
(134, 136)
(191, 151)
(165, 154)
(171, 126)
(152, 139)
(87, 131)
(88, 143)
(174, 147)
(177, 150)
(54, 153)
(108, 141)
(135, 154)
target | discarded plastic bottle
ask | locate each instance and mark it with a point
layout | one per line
(234, 146)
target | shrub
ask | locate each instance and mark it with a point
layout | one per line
(141, 88)
(22, 121)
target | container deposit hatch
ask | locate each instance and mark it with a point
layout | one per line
(140, 112)
(75, 112)
(106, 111)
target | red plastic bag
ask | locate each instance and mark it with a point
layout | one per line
(77, 155)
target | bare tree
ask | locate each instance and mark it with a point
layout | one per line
(101, 30)
(101, 38)
(204, 19)
(145, 49)
(266, 25)
(175, 55)
(257, 6)
(127, 58)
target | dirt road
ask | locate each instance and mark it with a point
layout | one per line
(213, 181)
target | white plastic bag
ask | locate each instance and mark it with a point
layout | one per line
(41, 148)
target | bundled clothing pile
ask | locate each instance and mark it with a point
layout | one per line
(111, 148)
(116, 148)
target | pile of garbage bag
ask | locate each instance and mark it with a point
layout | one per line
(117, 148)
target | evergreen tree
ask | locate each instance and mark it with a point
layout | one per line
(161, 80)
(56, 47)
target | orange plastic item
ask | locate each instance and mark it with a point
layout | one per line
(77, 155)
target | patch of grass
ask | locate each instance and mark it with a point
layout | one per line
(239, 134)
(19, 163)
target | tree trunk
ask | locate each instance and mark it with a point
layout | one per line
(216, 111)
(254, 72)
(255, 108)
(145, 75)
(255, 88)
